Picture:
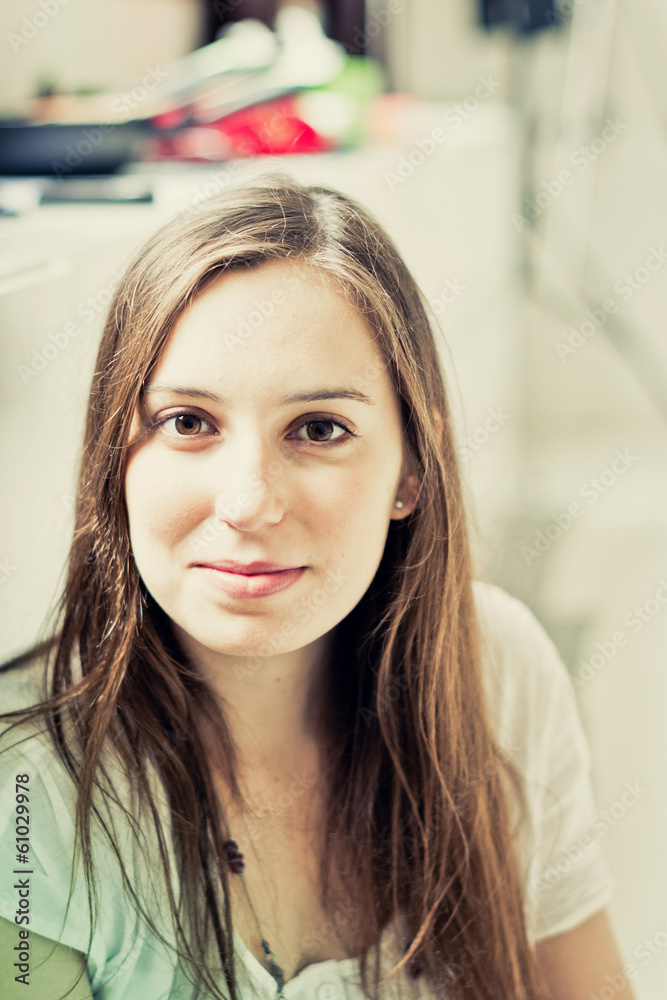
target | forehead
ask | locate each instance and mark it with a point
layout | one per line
(285, 322)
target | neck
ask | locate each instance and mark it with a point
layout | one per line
(270, 703)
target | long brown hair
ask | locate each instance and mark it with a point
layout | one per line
(418, 815)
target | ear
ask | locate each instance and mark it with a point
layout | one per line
(407, 490)
(408, 487)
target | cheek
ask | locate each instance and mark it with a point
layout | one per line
(351, 518)
(162, 505)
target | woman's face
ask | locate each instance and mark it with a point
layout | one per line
(245, 465)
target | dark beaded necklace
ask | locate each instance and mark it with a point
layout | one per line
(236, 865)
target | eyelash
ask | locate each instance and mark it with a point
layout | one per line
(323, 418)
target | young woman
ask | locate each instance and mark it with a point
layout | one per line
(281, 742)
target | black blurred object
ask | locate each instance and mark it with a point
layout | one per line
(29, 149)
(20, 195)
(100, 189)
(219, 12)
(343, 20)
(521, 16)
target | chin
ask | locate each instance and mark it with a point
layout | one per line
(237, 636)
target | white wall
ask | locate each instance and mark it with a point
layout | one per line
(88, 43)
(574, 413)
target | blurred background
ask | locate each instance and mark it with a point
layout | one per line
(517, 152)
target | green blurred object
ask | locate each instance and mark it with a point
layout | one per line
(361, 80)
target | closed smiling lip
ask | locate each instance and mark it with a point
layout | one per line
(255, 579)
(248, 569)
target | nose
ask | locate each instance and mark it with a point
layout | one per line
(246, 484)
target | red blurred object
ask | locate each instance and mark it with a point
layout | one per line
(271, 128)
(172, 118)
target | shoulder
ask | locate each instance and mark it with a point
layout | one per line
(531, 700)
(26, 748)
(38, 807)
(23, 683)
(28, 744)
(37, 811)
(534, 710)
(512, 631)
(24, 743)
(525, 677)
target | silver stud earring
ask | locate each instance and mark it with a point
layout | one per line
(399, 504)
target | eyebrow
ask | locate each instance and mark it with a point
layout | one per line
(292, 397)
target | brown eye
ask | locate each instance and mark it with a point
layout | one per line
(319, 431)
(318, 428)
(188, 423)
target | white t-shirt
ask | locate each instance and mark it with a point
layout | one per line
(535, 717)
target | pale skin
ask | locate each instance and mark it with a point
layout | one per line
(245, 481)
